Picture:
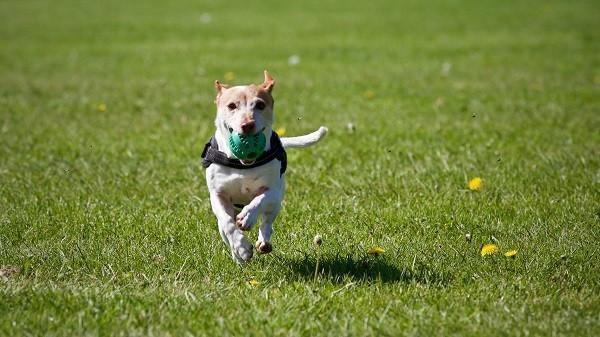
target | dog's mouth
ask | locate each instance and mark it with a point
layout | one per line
(246, 148)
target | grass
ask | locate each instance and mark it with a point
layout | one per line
(105, 214)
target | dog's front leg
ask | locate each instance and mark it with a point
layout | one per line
(267, 203)
(238, 243)
(263, 244)
(247, 217)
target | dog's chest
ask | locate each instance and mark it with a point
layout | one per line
(243, 185)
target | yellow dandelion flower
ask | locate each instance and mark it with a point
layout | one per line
(369, 94)
(489, 249)
(254, 283)
(280, 132)
(511, 253)
(102, 107)
(475, 184)
(229, 76)
(376, 251)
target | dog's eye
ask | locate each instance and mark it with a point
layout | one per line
(260, 105)
(231, 106)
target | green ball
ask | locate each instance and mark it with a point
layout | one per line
(247, 147)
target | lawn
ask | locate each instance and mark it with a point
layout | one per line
(105, 223)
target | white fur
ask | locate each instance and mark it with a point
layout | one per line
(306, 140)
(261, 189)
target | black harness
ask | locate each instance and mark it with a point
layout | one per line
(211, 154)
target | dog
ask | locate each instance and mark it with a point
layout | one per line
(242, 189)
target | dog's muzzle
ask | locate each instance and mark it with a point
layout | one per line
(246, 147)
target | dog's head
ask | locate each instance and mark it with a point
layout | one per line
(245, 109)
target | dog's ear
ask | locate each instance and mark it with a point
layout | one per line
(220, 87)
(268, 83)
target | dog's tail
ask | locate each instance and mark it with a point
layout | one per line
(303, 141)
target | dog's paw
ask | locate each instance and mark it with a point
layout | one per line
(242, 249)
(263, 247)
(246, 219)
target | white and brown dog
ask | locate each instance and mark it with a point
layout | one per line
(241, 190)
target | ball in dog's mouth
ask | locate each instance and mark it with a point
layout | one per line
(247, 147)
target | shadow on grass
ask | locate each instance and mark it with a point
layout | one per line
(341, 269)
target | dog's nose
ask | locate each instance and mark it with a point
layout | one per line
(248, 127)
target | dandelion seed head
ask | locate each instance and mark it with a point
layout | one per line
(205, 18)
(294, 60)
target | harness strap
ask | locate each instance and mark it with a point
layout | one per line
(211, 154)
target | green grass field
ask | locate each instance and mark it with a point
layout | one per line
(105, 224)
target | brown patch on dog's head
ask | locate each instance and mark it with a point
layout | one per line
(268, 82)
(240, 105)
(220, 87)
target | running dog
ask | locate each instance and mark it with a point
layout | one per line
(245, 165)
